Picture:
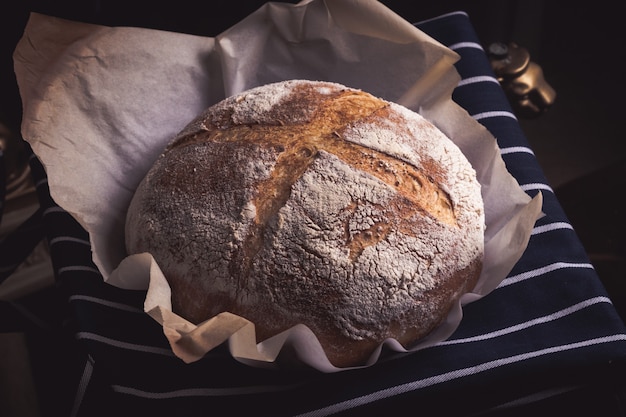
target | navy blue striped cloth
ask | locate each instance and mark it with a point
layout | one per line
(548, 328)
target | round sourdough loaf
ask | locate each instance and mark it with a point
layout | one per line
(310, 202)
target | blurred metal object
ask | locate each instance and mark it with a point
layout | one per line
(522, 79)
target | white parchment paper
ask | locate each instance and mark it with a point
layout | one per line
(100, 104)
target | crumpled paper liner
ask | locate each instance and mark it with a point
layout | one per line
(100, 104)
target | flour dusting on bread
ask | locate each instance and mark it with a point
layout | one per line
(314, 203)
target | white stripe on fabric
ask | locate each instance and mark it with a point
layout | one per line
(461, 45)
(53, 209)
(534, 322)
(536, 186)
(456, 374)
(550, 227)
(535, 397)
(107, 303)
(443, 16)
(43, 181)
(540, 271)
(82, 386)
(69, 239)
(79, 268)
(516, 149)
(477, 79)
(203, 392)
(488, 114)
(124, 345)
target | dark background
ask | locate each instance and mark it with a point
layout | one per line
(580, 142)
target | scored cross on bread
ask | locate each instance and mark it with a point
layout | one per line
(310, 202)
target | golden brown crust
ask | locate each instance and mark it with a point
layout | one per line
(313, 203)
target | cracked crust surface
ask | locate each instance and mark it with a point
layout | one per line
(310, 202)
